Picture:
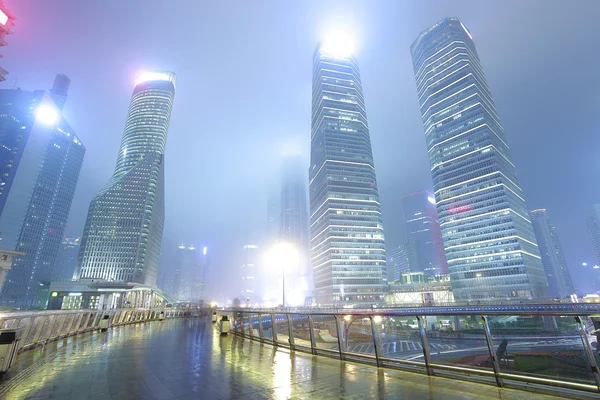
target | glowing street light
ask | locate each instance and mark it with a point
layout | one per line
(339, 45)
(283, 255)
(47, 114)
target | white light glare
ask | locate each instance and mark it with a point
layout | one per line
(431, 199)
(47, 114)
(155, 76)
(596, 266)
(339, 45)
(584, 264)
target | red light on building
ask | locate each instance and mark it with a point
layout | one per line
(6, 22)
(460, 209)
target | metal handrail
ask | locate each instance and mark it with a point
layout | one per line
(283, 327)
(39, 327)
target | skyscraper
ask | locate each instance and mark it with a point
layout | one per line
(346, 228)
(488, 239)
(422, 230)
(40, 162)
(249, 273)
(559, 280)
(123, 230)
(294, 220)
(593, 226)
(186, 265)
(399, 259)
(6, 22)
(67, 259)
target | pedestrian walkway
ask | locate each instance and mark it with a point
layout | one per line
(188, 359)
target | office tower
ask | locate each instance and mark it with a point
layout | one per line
(67, 259)
(422, 231)
(40, 159)
(346, 228)
(559, 280)
(294, 221)
(249, 274)
(399, 260)
(488, 239)
(204, 270)
(123, 230)
(185, 267)
(6, 23)
(593, 226)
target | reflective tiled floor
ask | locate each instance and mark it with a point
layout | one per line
(180, 359)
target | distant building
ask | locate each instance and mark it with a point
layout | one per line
(593, 225)
(559, 280)
(67, 259)
(124, 226)
(423, 234)
(399, 260)
(6, 23)
(186, 266)
(346, 227)
(40, 160)
(249, 274)
(488, 238)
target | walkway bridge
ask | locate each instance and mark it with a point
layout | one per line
(390, 353)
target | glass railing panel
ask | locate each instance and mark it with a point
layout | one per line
(400, 338)
(457, 341)
(358, 335)
(47, 327)
(92, 320)
(267, 326)
(326, 336)
(541, 346)
(281, 326)
(10, 323)
(301, 330)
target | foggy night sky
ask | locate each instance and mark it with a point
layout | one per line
(244, 98)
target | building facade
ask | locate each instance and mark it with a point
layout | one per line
(422, 231)
(39, 186)
(346, 228)
(400, 262)
(123, 230)
(67, 259)
(249, 295)
(488, 238)
(593, 226)
(559, 280)
(7, 21)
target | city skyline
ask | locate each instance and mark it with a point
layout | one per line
(390, 167)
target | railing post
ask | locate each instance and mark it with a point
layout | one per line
(490, 345)
(273, 330)
(376, 340)
(290, 332)
(313, 340)
(589, 351)
(260, 328)
(425, 345)
(26, 333)
(339, 326)
(250, 330)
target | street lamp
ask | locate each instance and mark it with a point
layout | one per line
(283, 255)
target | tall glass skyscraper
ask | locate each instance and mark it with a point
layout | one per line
(40, 160)
(422, 231)
(123, 231)
(593, 226)
(559, 280)
(346, 228)
(488, 239)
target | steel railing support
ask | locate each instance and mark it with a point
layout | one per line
(260, 328)
(425, 345)
(273, 330)
(313, 340)
(290, 332)
(376, 331)
(589, 351)
(340, 329)
(490, 346)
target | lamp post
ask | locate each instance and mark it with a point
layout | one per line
(283, 255)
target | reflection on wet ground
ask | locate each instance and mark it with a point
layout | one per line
(188, 359)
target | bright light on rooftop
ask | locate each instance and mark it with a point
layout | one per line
(155, 76)
(338, 44)
(47, 114)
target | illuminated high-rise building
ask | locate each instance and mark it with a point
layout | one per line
(346, 228)
(40, 160)
(593, 226)
(124, 226)
(488, 238)
(249, 273)
(67, 259)
(7, 21)
(559, 280)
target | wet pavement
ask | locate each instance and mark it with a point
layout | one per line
(188, 359)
